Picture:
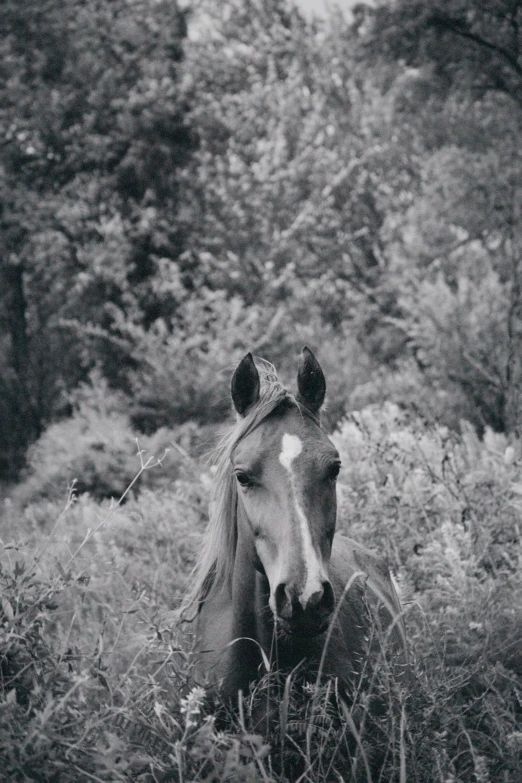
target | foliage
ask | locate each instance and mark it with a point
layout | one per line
(86, 655)
(445, 510)
(474, 46)
(187, 373)
(172, 201)
(169, 202)
(95, 450)
(92, 136)
(455, 85)
(94, 682)
(396, 187)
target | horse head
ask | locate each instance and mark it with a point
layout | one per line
(286, 473)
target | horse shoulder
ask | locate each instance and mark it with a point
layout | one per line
(350, 558)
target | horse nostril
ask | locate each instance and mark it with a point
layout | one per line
(328, 597)
(283, 602)
(323, 600)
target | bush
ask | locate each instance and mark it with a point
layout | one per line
(444, 509)
(420, 393)
(185, 375)
(98, 450)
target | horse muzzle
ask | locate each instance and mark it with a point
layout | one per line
(308, 621)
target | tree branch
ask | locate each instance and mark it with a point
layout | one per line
(497, 384)
(445, 22)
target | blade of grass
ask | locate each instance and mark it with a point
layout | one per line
(353, 729)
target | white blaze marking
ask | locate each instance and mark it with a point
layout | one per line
(291, 448)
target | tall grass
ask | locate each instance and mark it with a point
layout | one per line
(96, 679)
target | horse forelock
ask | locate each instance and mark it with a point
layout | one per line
(214, 566)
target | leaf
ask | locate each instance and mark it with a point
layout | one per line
(11, 696)
(19, 568)
(266, 662)
(7, 608)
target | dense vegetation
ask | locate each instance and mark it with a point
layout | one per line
(169, 202)
(95, 684)
(178, 187)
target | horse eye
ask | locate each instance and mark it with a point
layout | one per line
(243, 479)
(333, 470)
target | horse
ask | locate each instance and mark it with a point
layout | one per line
(274, 582)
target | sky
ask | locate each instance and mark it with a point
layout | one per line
(310, 7)
(319, 7)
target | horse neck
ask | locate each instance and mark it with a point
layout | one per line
(252, 626)
(250, 591)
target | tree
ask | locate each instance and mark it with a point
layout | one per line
(93, 138)
(472, 46)
(453, 89)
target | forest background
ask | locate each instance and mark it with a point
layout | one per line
(180, 185)
(170, 202)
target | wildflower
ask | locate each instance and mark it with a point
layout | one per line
(191, 705)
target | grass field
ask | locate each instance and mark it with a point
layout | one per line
(95, 676)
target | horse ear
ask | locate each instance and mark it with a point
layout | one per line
(245, 385)
(311, 382)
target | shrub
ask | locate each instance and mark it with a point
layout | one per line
(420, 393)
(98, 450)
(187, 371)
(445, 510)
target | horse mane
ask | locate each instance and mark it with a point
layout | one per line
(213, 568)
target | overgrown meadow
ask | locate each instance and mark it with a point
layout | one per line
(181, 184)
(95, 673)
